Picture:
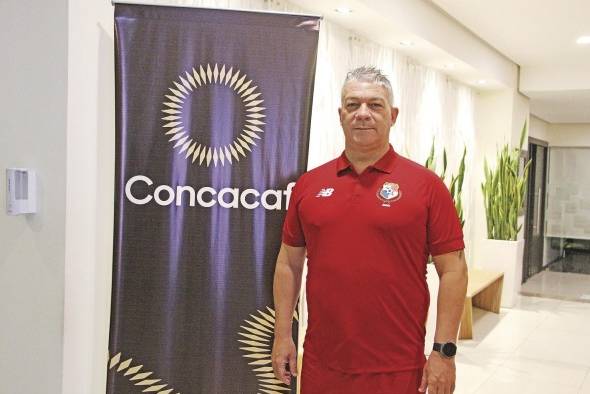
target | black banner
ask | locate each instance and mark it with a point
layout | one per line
(213, 111)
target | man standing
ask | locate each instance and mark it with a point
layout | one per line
(368, 221)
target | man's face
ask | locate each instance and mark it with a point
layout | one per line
(366, 115)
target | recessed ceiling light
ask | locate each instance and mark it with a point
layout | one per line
(449, 66)
(343, 10)
(482, 82)
(584, 40)
(406, 43)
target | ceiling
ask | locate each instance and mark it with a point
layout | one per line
(537, 35)
(530, 32)
(386, 30)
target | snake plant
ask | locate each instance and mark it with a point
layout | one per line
(504, 190)
(456, 184)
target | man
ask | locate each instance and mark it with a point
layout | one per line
(368, 222)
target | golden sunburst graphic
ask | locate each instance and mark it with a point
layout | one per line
(138, 376)
(258, 334)
(183, 139)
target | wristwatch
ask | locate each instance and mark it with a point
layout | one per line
(447, 349)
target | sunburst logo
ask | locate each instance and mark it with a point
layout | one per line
(185, 140)
(256, 338)
(144, 381)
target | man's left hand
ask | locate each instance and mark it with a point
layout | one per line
(438, 375)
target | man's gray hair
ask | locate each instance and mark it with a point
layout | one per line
(369, 74)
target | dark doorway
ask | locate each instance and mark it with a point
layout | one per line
(535, 212)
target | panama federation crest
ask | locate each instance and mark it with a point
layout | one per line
(389, 193)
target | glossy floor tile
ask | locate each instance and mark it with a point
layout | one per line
(575, 262)
(561, 285)
(540, 346)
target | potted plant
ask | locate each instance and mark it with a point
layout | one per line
(504, 190)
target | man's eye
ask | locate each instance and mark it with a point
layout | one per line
(352, 105)
(376, 106)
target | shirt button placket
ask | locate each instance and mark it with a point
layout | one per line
(356, 190)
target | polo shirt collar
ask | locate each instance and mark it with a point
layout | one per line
(384, 164)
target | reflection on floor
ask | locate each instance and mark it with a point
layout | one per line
(540, 346)
(562, 285)
(574, 262)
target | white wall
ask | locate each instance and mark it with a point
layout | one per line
(520, 115)
(89, 192)
(33, 134)
(539, 129)
(574, 134)
(500, 116)
(493, 122)
(549, 78)
(561, 134)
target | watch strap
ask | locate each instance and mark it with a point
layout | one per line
(440, 347)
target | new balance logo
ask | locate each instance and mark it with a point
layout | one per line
(327, 192)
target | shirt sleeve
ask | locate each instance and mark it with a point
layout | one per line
(292, 229)
(444, 227)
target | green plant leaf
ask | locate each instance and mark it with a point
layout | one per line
(504, 191)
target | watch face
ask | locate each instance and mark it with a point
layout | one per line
(449, 349)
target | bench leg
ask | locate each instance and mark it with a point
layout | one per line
(466, 329)
(490, 298)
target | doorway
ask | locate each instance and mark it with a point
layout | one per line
(535, 211)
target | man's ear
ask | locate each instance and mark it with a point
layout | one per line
(340, 114)
(394, 113)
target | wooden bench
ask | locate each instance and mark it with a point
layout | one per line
(484, 290)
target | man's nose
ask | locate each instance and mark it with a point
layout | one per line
(362, 113)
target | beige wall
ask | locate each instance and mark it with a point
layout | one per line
(33, 76)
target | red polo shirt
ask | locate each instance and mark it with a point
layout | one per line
(368, 237)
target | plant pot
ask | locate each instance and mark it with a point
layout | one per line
(506, 257)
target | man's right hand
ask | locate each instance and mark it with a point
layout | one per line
(284, 359)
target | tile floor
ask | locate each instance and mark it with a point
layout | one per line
(562, 285)
(540, 346)
(574, 262)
